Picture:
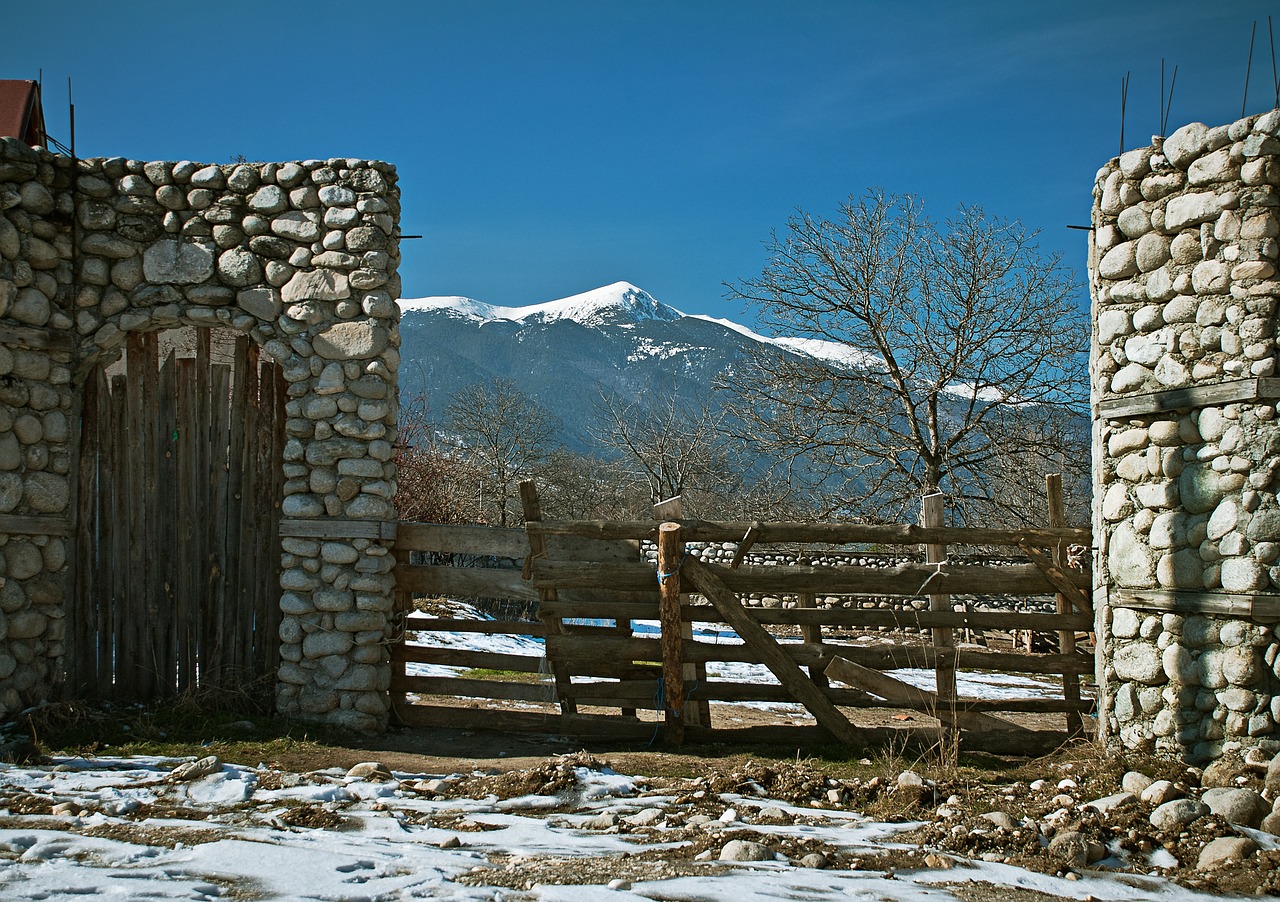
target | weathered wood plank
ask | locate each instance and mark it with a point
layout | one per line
(413, 536)
(490, 627)
(539, 546)
(671, 556)
(1068, 598)
(462, 657)
(933, 515)
(190, 493)
(575, 648)
(137, 418)
(608, 610)
(1261, 608)
(818, 533)
(465, 582)
(702, 578)
(505, 720)
(16, 524)
(238, 638)
(81, 621)
(1061, 579)
(948, 710)
(1185, 398)
(909, 618)
(165, 514)
(903, 579)
(217, 668)
(116, 542)
(459, 687)
(37, 339)
(334, 528)
(203, 553)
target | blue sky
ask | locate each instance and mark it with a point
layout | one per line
(546, 148)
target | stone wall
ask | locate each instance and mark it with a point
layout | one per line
(1186, 440)
(302, 257)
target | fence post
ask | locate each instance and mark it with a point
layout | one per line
(1066, 638)
(932, 513)
(671, 552)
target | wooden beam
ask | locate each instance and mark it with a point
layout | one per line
(37, 339)
(34, 526)
(1068, 596)
(466, 582)
(1148, 403)
(461, 687)
(903, 579)
(465, 657)
(702, 578)
(458, 625)
(906, 618)
(1061, 580)
(887, 687)
(411, 536)
(531, 506)
(933, 515)
(671, 557)
(329, 528)
(745, 545)
(818, 533)
(1260, 608)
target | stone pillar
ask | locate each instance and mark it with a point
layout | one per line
(36, 421)
(1187, 441)
(300, 256)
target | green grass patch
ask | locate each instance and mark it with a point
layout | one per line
(503, 676)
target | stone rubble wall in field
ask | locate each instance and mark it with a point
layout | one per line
(723, 552)
(302, 257)
(1184, 287)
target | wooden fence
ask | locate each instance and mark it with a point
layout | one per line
(588, 583)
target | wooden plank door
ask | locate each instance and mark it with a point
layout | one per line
(178, 555)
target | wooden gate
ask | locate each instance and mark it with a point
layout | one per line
(592, 664)
(180, 482)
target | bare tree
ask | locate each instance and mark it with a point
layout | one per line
(669, 444)
(961, 347)
(435, 482)
(507, 435)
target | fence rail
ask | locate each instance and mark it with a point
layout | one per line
(592, 571)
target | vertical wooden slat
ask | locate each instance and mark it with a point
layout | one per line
(274, 398)
(189, 512)
(128, 576)
(233, 613)
(1066, 638)
(165, 535)
(216, 598)
(205, 556)
(403, 606)
(671, 553)
(246, 462)
(153, 684)
(81, 655)
(554, 625)
(114, 542)
(812, 632)
(262, 548)
(932, 513)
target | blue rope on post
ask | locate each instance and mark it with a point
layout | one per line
(663, 577)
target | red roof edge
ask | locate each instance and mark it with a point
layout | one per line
(21, 113)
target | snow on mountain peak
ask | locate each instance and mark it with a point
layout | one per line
(619, 303)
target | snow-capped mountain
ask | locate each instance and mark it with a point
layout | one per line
(617, 304)
(562, 353)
